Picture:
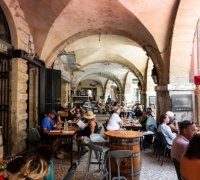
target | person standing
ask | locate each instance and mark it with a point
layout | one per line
(109, 100)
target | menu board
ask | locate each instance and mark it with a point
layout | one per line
(182, 102)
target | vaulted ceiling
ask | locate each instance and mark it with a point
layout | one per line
(110, 37)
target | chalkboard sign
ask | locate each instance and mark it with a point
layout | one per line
(182, 102)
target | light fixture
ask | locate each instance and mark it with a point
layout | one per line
(154, 75)
(139, 85)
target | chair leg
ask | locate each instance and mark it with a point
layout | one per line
(164, 153)
(109, 169)
(79, 153)
(88, 164)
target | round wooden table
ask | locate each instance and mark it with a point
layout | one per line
(126, 140)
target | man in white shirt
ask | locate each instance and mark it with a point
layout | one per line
(115, 121)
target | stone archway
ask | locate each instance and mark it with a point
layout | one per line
(18, 77)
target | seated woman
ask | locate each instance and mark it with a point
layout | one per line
(91, 128)
(166, 130)
(190, 162)
(14, 166)
(34, 168)
(77, 112)
(151, 124)
(45, 153)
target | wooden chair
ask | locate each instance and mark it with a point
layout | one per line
(33, 136)
(163, 147)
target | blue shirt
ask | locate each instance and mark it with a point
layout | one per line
(46, 123)
(50, 175)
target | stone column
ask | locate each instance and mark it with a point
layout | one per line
(143, 96)
(18, 100)
(163, 100)
(64, 93)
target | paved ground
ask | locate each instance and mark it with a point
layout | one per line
(151, 169)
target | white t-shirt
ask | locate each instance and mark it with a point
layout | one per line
(113, 122)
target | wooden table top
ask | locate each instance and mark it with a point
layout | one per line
(70, 131)
(125, 134)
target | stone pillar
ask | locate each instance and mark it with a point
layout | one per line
(18, 101)
(163, 100)
(64, 93)
(143, 96)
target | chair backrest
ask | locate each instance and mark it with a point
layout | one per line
(99, 130)
(119, 154)
(71, 172)
(105, 126)
(33, 136)
(162, 139)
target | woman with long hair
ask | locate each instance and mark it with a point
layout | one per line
(190, 162)
(166, 130)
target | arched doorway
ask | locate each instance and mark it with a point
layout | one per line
(5, 46)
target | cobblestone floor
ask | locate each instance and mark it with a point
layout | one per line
(151, 169)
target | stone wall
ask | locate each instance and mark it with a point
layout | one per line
(19, 78)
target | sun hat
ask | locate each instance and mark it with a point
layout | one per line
(89, 115)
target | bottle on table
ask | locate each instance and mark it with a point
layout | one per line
(65, 125)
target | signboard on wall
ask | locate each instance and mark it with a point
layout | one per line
(152, 100)
(182, 102)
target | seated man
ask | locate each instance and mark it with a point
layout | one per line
(114, 121)
(172, 122)
(48, 122)
(180, 143)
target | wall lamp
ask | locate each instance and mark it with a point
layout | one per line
(154, 75)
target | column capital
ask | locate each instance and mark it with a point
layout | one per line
(161, 88)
